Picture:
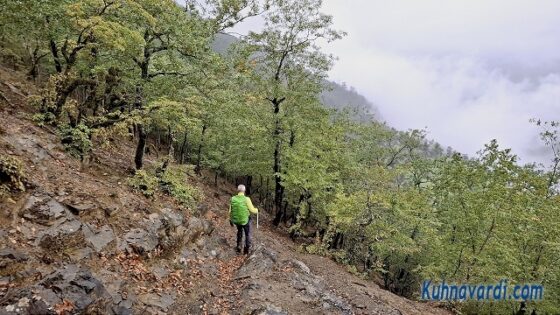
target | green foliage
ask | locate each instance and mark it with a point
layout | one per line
(173, 181)
(144, 182)
(12, 176)
(43, 119)
(76, 141)
(169, 179)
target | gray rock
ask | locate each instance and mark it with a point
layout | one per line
(208, 227)
(299, 265)
(313, 289)
(81, 254)
(72, 283)
(5, 281)
(175, 218)
(141, 241)
(129, 301)
(39, 307)
(29, 144)
(121, 310)
(75, 284)
(269, 310)
(159, 272)
(181, 230)
(43, 209)
(10, 254)
(78, 208)
(163, 302)
(99, 239)
(27, 305)
(196, 228)
(58, 234)
(113, 284)
(261, 260)
(201, 209)
(111, 210)
(29, 230)
(337, 302)
(154, 222)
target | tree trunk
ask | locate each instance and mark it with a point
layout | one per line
(171, 148)
(298, 208)
(249, 185)
(198, 167)
(64, 92)
(34, 69)
(139, 155)
(260, 189)
(267, 196)
(285, 212)
(183, 149)
(54, 52)
(278, 188)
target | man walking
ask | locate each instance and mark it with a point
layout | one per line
(240, 210)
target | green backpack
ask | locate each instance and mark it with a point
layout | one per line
(239, 211)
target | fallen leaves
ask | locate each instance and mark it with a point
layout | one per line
(63, 308)
(227, 282)
(136, 269)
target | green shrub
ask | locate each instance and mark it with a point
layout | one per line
(42, 119)
(76, 141)
(173, 181)
(12, 176)
(144, 182)
(316, 249)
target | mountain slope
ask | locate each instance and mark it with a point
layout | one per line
(79, 240)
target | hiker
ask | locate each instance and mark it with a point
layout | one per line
(240, 210)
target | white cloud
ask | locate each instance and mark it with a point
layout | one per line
(470, 71)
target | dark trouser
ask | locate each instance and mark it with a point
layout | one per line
(244, 229)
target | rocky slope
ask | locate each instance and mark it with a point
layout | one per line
(80, 241)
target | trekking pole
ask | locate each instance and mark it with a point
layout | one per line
(257, 220)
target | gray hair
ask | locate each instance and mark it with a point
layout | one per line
(241, 188)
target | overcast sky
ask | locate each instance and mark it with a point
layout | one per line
(467, 70)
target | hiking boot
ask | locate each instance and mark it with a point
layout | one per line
(238, 250)
(246, 251)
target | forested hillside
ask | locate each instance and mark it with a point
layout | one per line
(389, 204)
(333, 95)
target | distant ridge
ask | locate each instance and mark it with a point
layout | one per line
(336, 95)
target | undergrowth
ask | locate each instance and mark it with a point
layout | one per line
(76, 141)
(12, 176)
(171, 180)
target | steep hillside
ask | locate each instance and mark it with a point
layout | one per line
(79, 240)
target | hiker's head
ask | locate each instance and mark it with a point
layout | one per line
(241, 188)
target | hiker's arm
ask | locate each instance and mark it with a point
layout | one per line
(229, 216)
(250, 206)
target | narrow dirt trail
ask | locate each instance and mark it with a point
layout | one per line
(318, 286)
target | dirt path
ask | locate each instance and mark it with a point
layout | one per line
(284, 285)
